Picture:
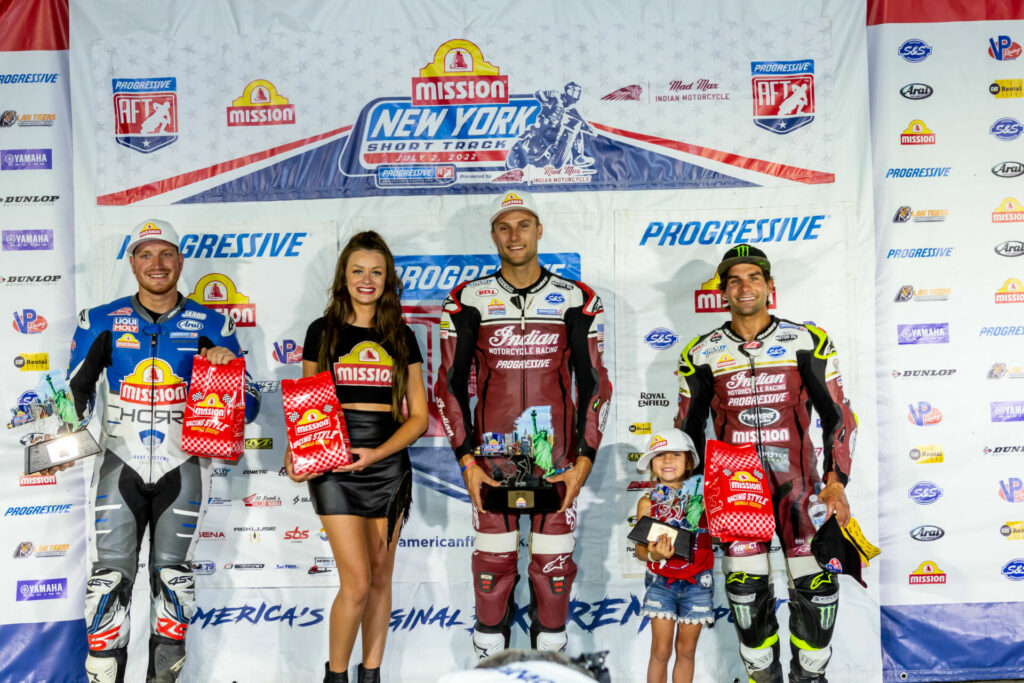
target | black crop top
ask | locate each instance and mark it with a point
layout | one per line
(362, 366)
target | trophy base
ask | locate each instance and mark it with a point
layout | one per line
(517, 499)
(59, 450)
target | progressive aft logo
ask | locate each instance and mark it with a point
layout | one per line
(145, 113)
(217, 291)
(783, 94)
(260, 105)
(1003, 48)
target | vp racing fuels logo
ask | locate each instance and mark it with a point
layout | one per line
(153, 382)
(145, 113)
(218, 292)
(783, 94)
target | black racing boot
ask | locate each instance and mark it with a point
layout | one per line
(368, 675)
(332, 677)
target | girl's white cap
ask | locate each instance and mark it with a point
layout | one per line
(668, 440)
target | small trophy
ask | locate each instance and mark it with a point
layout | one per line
(54, 435)
(519, 461)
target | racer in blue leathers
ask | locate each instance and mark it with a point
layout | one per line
(142, 346)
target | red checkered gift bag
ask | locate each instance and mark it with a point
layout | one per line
(316, 427)
(736, 493)
(214, 422)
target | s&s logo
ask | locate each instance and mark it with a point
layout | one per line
(914, 50)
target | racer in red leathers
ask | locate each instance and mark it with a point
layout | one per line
(530, 336)
(758, 376)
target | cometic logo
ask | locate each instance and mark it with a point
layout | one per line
(916, 91)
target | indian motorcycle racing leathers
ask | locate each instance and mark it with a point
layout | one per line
(761, 392)
(527, 347)
(143, 478)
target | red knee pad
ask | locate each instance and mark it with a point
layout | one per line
(494, 577)
(551, 577)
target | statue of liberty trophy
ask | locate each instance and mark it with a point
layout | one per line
(520, 461)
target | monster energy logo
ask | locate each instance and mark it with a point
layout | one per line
(743, 250)
(828, 616)
(741, 614)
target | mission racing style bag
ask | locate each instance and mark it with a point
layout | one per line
(317, 433)
(214, 422)
(736, 494)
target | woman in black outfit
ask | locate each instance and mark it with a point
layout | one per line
(377, 369)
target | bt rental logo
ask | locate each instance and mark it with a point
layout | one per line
(145, 113)
(916, 91)
(28, 322)
(919, 172)
(42, 589)
(1003, 88)
(924, 414)
(914, 50)
(923, 455)
(218, 292)
(26, 159)
(153, 382)
(783, 95)
(640, 428)
(733, 231)
(1012, 531)
(1008, 169)
(1006, 411)
(235, 245)
(924, 493)
(1003, 48)
(917, 133)
(287, 352)
(1012, 292)
(927, 573)
(1006, 129)
(1012, 490)
(32, 362)
(1009, 211)
(927, 533)
(1014, 569)
(708, 299)
(1000, 370)
(260, 105)
(922, 333)
(367, 364)
(908, 293)
(661, 338)
(27, 240)
(905, 214)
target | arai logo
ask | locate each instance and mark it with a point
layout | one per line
(1010, 248)
(190, 325)
(1008, 169)
(661, 338)
(916, 91)
(927, 532)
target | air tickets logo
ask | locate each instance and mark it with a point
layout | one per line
(708, 299)
(1009, 211)
(145, 113)
(927, 572)
(917, 133)
(1003, 48)
(153, 381)
(218, 292)
(783, 94)
(1012, 292)
(367, 364)
(260, 105)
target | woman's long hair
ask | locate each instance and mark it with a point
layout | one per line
(388, 326)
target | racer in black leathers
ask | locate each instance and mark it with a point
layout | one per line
(528, 345)
(143, 353)
(758, 377)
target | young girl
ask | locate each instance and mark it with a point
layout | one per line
(678, 599)
(376, 364)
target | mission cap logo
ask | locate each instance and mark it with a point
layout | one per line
(260, 105)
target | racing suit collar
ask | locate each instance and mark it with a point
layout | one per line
(766, 332)
(545, 275)
(143, 312)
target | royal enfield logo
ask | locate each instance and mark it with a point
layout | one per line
(783, 94)
(652, 399)
(260, 105)
(145, 113)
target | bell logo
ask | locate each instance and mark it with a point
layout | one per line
(217, 291)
